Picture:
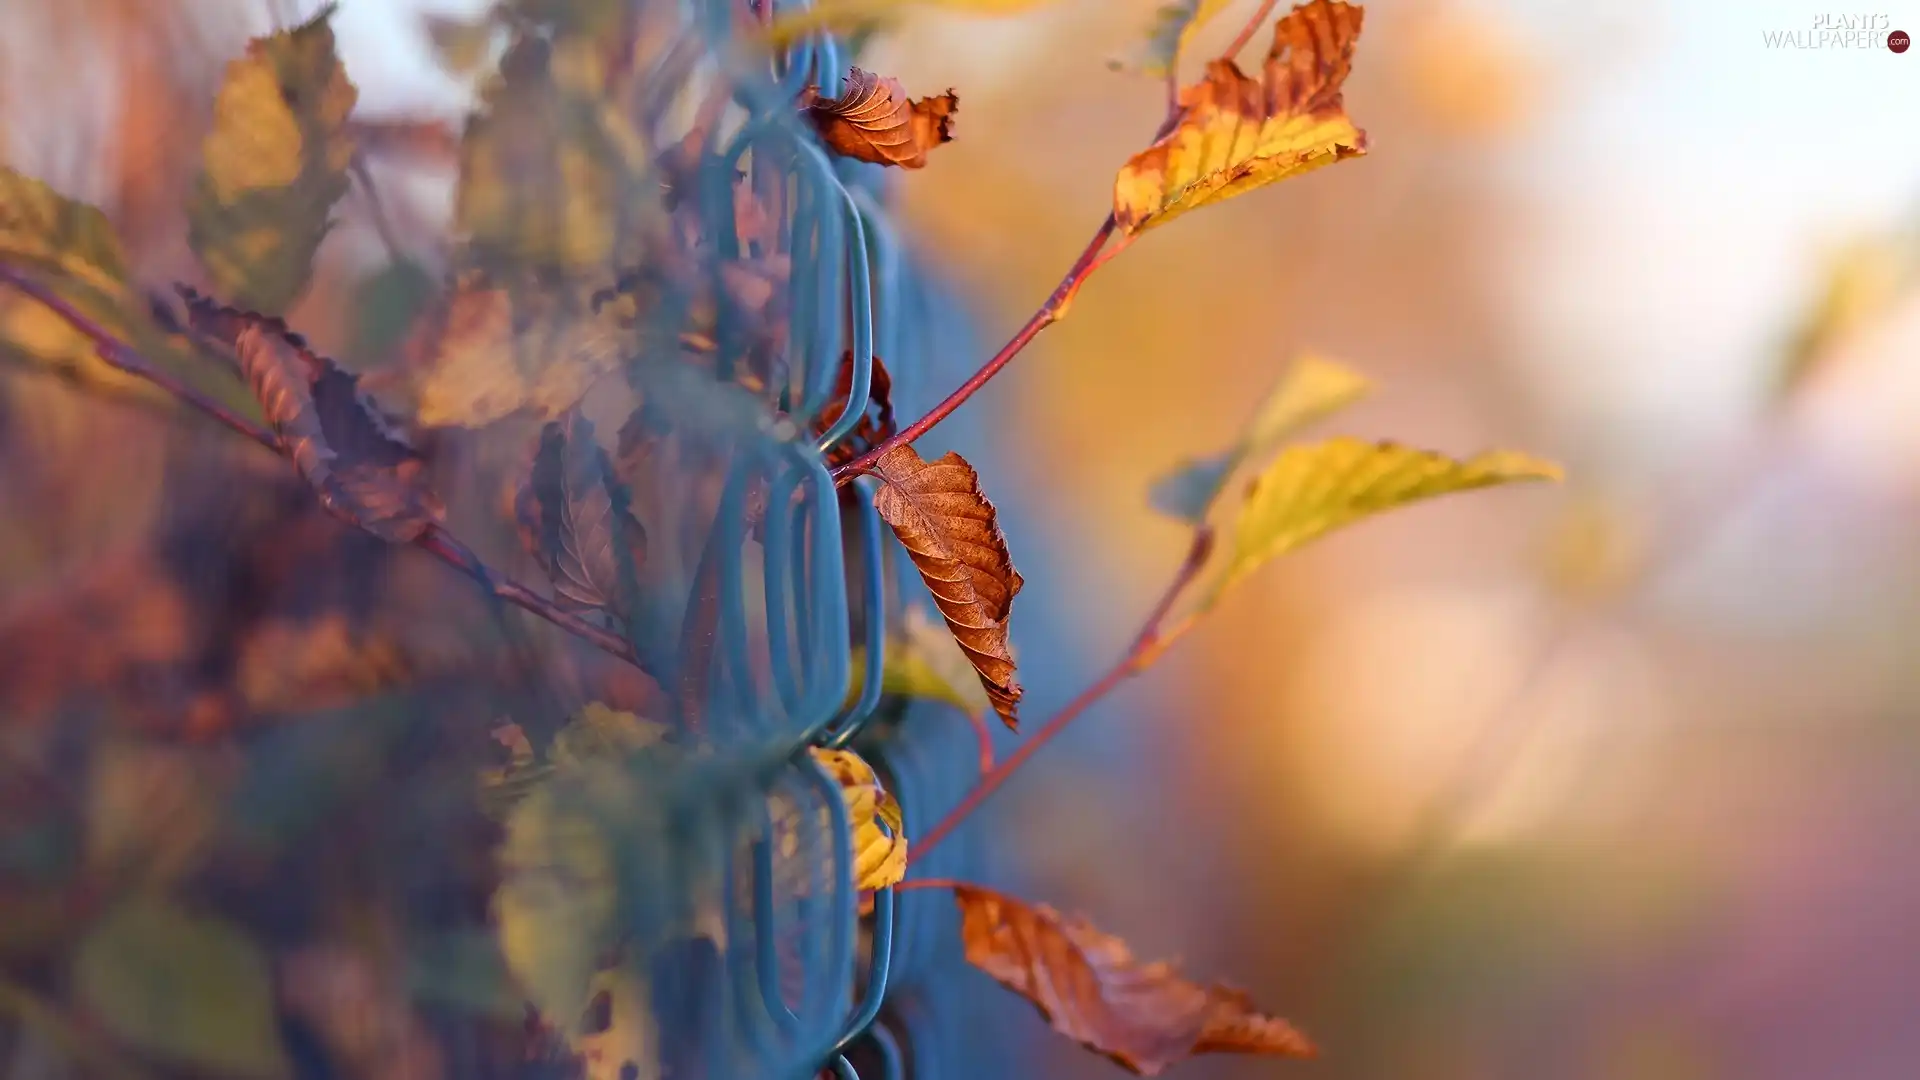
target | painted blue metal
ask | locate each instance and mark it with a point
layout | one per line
(811, 984)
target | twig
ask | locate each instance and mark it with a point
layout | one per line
(1050, 312)
(1095, 255)
(117, 354)
(983, 735)
(376, 208)
(436, 541)
(925, 883)
(1253, 26)
(1148, 644)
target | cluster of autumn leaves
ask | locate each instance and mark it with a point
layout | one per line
(557, 185)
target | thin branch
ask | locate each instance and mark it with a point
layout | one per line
(1050, 312)
(119, 355)
(1092, 257)
(436, 541)
(1152, 640)
(1253, 26)
(377, 209)
(925, 883)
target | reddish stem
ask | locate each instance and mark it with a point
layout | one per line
(1147, 646)
(1050, 312)
(118, 355)
(984, 736)
(1253, 26)
(925, 883)
(435, 541)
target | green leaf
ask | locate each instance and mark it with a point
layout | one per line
(1173, 23)
(925, 662)
(185, 987)
(273, 166)
(1309, 491)
(1312, 389)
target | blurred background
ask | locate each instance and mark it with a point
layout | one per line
(1612, 779)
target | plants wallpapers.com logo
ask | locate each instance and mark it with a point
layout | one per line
(1842, 30)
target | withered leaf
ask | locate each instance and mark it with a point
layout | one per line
(364, 469)
(496, 345)
(576, 520)
(872, 120)
(1236, 133)
(1087, 983)
(953, 534)
(876, 424)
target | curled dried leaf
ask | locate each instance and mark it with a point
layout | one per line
(487, 351)
(872, 120)
(1089, 986)
(879, 827)
(365, 470)
(576, 521)
(953, 535)
(1237, 133)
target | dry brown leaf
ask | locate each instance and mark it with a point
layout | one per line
(953, 534)
(1236, 133)
(489, 349)
(365, 471)
(1144, 1016)
(576, 521)
(872, 120)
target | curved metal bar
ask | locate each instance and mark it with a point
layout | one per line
(730, 534)
(842, 731)
(844, 1069)
(775, 567)
(845, 914)
(827, 689)
(879, 968)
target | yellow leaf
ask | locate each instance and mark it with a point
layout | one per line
(599, 733)
(1174, 23)
(1311, 390)
(1861, 281)
(836, 15)
(38, 225)
(1237, 133)
(925, 662)
(497, 351)
(1594, 549)
(72, 248)
(1309, 491)
(879, 829)
(550, 171)
(273, 165)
